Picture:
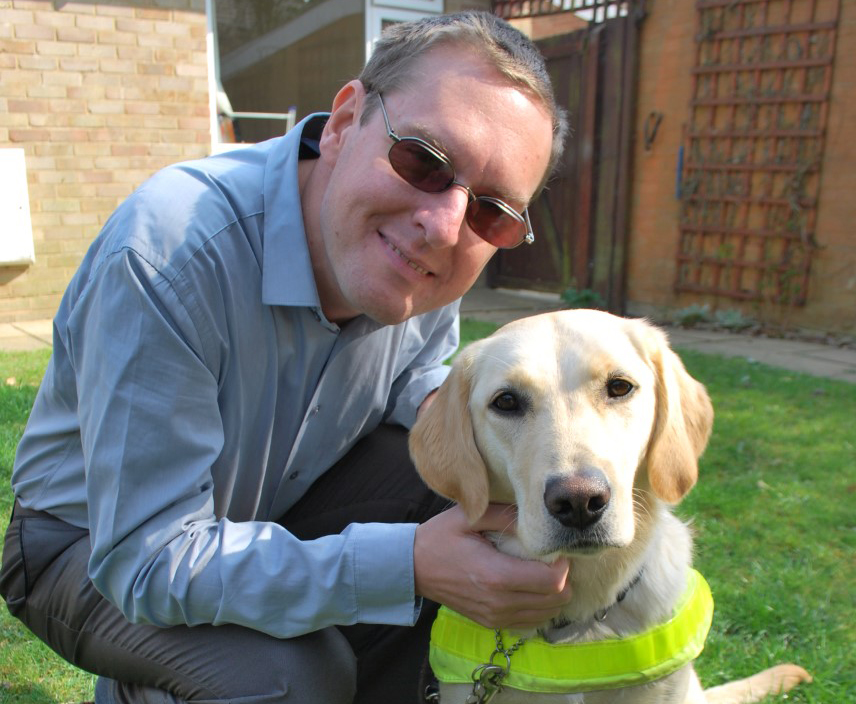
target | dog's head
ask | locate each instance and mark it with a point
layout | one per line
(578, 417)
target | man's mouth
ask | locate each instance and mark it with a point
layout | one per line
(413, 265)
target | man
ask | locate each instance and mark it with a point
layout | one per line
(212, 503)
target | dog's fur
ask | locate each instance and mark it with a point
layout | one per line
(590, 424)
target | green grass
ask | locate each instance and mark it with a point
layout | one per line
(773, 515)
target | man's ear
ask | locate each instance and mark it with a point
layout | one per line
(344, 118)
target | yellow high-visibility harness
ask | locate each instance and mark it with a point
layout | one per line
(460, 647)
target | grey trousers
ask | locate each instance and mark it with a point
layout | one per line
(45, 584)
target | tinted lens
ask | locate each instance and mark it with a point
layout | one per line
(494, 224)
(420, 166)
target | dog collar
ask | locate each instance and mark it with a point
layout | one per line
(460, 646)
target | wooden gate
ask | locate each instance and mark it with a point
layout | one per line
(580, 221)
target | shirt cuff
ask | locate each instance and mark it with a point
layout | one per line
(384, 578)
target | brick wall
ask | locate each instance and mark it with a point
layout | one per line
(667, 53)
(99, 95)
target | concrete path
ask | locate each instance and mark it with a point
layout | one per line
(502, 306)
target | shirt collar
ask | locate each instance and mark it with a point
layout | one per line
(287, 277)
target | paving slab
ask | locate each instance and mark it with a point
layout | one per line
(29, 335)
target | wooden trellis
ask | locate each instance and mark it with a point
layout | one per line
(754, 147)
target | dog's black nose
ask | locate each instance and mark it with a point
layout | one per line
(578, 500)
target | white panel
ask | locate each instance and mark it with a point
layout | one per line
(16, 230)
(381, 12)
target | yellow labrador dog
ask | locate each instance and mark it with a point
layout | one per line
(590, 424)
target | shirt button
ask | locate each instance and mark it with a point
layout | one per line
(294, 475)
(315, 410)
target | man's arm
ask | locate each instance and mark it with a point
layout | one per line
(151, 390)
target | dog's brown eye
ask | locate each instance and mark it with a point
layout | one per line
(618, 387)
(506, 402)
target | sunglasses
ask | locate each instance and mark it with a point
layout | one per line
(425, 167)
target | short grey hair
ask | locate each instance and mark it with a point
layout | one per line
(509, 50)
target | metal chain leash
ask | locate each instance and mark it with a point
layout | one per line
(488, 677)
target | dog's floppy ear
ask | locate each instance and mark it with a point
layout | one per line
(443, 447)
(684, 420)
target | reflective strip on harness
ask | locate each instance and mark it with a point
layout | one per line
(459, 645)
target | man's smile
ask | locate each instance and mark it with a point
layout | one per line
(412, 264)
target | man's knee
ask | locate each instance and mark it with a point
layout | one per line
(317, 668)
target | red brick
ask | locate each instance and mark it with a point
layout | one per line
(28, 105)
(28, 135)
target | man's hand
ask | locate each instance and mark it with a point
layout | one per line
(456, 566)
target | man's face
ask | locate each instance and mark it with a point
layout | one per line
(383, 247)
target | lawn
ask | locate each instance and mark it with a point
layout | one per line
(773, 515)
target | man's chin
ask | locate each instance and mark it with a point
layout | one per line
(404, 309)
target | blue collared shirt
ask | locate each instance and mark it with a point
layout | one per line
(196, 391)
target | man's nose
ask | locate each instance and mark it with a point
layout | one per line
(442, 216)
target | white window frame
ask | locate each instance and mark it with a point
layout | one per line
(395, 11)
